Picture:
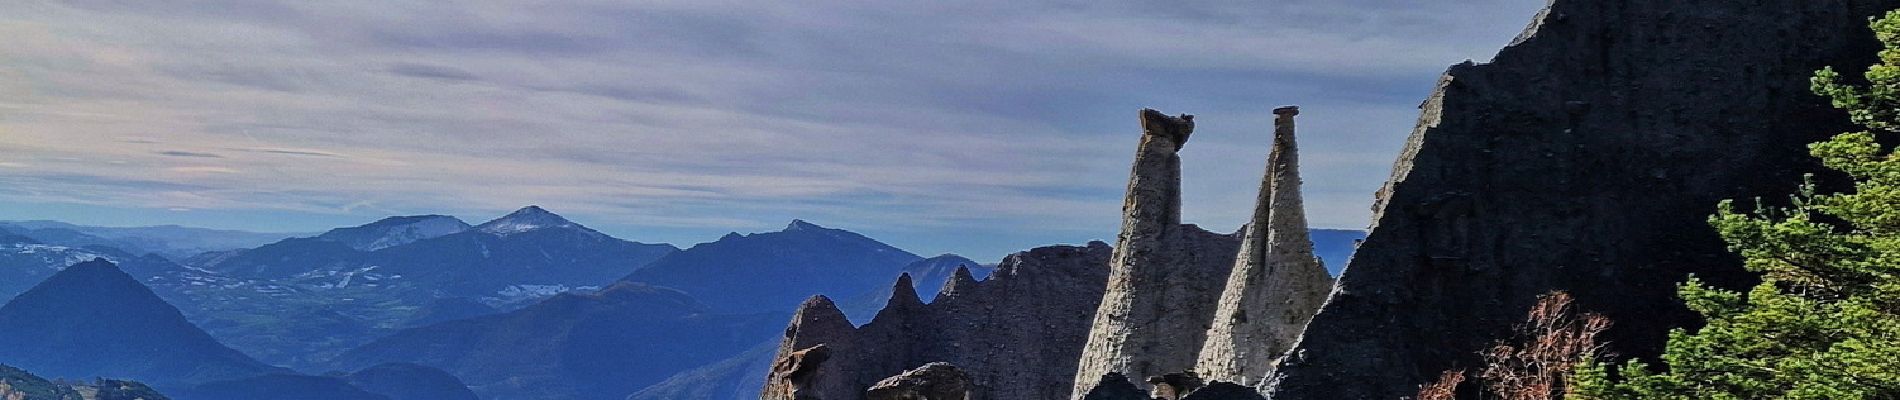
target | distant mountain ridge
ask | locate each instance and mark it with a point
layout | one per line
(779, 269)
(530, 247)
(395, 231)
(91, 319)
(172, 241)
(603, 345)
(317, 296)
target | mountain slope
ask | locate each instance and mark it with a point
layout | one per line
(279, 387)
(395, 231)
(530, 250)
(402, 381)
(301, 301)
(778, 270)
(736, 378)
(603, 345)
(526, 249)
(91, 319)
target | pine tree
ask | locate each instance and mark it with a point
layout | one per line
(1825, 321)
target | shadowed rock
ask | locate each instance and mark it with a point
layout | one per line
(1114, 386)
(1017, 335)
(934, 381)
(1174, 386)
(1224, 391)
(816, 330)
(961, 282)
(1585, 158)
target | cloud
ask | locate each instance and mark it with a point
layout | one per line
(432, 72)
(175, 153)
(921, 120)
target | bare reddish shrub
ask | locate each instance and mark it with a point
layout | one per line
(1446, 388)
(1540, 361)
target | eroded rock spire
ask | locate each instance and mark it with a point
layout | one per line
(1164, 276)
(1277, 284)
(960, 282)
(799, 369)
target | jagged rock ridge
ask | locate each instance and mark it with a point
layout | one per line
(1017, 334)
(1165, 277)
(1586, 158)
(1277, 284)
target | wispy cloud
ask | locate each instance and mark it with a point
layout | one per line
(190, 154)
(919, 120)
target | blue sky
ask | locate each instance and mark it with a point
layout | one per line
(975, 127)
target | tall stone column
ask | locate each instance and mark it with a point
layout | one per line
(1277, 284)
(1136, 332)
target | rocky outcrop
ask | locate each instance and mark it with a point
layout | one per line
(1224, 391)
(933, 381)
(1165, 277)
(816, 330)
(1114, 386)
(1585, 158)
(1174, 386)
(1277, 284)
(1017, 334)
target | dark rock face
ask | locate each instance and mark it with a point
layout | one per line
(1224, 391)
(1018, 334)
(933, 381)
(1174, 386)
(1115, 386)
(1585, 158)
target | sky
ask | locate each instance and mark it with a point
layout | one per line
(972, 127)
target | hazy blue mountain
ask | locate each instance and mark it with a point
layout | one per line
(278, 387)
(448, 309)
(775, 271)
(395, 231)
(741, 377)
(529, 254)
(602, 345)
(404, 381)
(171, 241)
(92, 319)
(301, 301)
(284, 259)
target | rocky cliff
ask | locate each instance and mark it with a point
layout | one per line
(1017, 334)
(1586, 158)
(1277, 284)
(1164, 278)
